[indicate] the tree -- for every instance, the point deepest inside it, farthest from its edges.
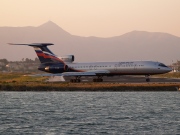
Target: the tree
(36, 60)
(5, 61)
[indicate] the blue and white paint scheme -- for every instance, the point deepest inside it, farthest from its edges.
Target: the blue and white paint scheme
(65, 66)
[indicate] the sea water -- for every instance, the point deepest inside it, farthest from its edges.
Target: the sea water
(91, 113)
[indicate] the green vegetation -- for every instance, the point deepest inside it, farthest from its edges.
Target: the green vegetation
(21, 82)
(169, 75)
(19, 78)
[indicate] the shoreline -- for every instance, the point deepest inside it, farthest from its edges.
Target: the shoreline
(89, 87)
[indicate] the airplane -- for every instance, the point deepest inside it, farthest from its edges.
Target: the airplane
(64, 66)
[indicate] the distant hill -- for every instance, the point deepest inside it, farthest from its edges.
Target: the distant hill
(135, 45)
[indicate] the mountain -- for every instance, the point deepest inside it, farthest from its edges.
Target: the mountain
(135, 45)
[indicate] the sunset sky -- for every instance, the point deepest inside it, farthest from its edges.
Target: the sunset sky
(102, 18)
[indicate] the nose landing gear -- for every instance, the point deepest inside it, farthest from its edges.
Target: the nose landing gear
(147, 78)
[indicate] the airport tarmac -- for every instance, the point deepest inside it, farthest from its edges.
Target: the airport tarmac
(130, 79)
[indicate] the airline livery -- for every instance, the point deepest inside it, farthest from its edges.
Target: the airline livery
(64, 66)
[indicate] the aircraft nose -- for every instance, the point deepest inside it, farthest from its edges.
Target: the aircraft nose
(169, 69)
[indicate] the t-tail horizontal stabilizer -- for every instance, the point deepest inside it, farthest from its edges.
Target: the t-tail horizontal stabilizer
(34, 44)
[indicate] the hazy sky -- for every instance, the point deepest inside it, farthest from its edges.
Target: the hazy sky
(102, 18)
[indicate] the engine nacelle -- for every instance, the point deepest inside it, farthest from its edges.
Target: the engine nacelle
(67, 58)
(56, 68)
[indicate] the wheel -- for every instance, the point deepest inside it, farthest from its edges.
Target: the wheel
(147, 80)
(77, 80)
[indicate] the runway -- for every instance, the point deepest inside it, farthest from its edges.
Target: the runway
(130, 79)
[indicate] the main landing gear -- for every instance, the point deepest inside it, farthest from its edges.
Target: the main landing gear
(99, 79)
(147, 78)
(76, 80)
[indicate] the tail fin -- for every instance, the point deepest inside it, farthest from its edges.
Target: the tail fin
(43, 53)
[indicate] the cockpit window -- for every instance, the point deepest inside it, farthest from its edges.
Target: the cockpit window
(162, 65)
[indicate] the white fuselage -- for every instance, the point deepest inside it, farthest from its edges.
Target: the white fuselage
(122, 68)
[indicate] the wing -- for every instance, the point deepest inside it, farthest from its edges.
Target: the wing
(88, 73)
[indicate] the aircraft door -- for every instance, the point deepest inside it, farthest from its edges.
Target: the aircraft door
(135, 67)
(115, 67)
(90, 67)
(95, 67)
